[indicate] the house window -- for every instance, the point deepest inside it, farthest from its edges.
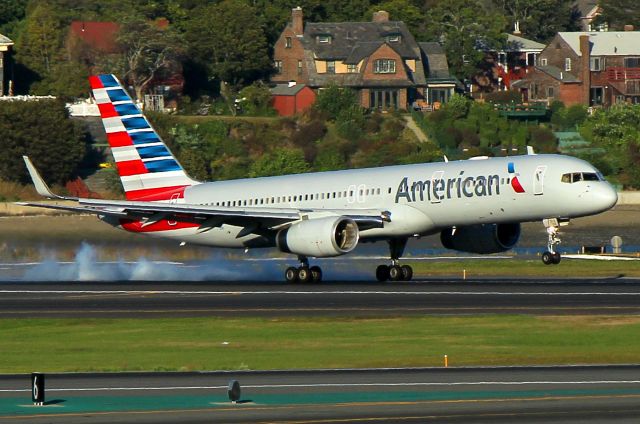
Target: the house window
(383, 99)
(331, 67)
(299, 67)
(324, 39)
(543, 61)
(633, 87)
(287, 42)
(384, 66)
(595, 64)
(395, 38)
(352, 69)
(596, 96)
(567, 64)
(550, 92)
(278, 65)
(632, 62)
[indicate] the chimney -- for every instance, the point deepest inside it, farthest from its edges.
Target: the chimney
(296, 20)
(516, 28)
(629, 28)
(585, 50)
(381, 16)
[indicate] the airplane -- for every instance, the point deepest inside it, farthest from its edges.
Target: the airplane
(477, 205)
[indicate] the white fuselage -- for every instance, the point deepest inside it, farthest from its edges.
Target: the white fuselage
(421, 199)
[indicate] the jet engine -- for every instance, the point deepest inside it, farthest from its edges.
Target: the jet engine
(482, 238)
(320, 237)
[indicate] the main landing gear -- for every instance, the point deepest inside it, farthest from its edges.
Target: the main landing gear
(550, 256)
(303, 273)
(395, 271)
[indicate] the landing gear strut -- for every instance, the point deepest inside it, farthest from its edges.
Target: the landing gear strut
(303, 273)
(550, 256)
(395, 271)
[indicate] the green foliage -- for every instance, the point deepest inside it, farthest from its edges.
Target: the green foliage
(256, 99)
(350, 122)
(458, 106)
(225, 38)
(43, 131)
(567, 119)
(399, 10)
(333, 100)
(618, 13)
(462, 25)
(280, 161)
(503, 97)
(617, 131)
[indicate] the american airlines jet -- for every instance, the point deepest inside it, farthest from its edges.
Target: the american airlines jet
(476, 205)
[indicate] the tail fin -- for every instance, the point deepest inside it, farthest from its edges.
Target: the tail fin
(147, 168)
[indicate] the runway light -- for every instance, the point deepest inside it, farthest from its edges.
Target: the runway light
(234, 391)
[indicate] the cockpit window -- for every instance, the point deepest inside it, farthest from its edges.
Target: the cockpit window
(574, 177)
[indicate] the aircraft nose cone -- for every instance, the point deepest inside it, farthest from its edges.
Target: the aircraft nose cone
(605, 197)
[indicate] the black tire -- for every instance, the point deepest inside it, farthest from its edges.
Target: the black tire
(556, 258)
(291, 275)
(547, 258)
(382, 273)
(304, 274)
(395, 273)
(407, 272)
(316, 274)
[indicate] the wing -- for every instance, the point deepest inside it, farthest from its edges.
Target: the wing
(151, 212)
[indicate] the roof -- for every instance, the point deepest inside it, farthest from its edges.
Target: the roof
(521, 44)
(612, 43)
(286, 90)
(5, 41)
(98, 35)
(558, 74)
(435, 59)
(349, 36)
(585, 7)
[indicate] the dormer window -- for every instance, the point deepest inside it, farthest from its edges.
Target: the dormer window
(394, 38)
(384, 66)
(324, 39)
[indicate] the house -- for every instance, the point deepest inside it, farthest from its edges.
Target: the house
(5, 45)
(587, 11)
(292, 98)
(380, 59)
(590, 68)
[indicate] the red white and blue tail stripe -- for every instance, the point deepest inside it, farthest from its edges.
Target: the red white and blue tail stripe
(147, 168)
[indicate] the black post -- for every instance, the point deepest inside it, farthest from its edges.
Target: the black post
(37, 388)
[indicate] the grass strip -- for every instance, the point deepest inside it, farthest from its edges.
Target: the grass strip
(57, 345)
(516, 267)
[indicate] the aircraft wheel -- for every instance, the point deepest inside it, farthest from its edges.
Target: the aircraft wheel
(291, 275)
(407, 272)
(304, 274)
(547, 258)
(395, 273)
(556, 258)
(316, 274)
(382, 273)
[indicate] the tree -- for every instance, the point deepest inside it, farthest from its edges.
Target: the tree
(461, 25)
(280, 161)
(228, 40)
(400, 10)
(618, 13)
(43, 131)
(149, 51)
(335, 99)
(539, 19)
(39, 46)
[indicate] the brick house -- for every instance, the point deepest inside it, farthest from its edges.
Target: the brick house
(5, 45)
(379, 59)
(512, 62)
(590, 68)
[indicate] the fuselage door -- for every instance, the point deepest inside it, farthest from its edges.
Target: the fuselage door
(437, 187)
(538, 180)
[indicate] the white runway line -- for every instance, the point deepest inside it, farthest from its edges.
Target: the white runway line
(338, 385)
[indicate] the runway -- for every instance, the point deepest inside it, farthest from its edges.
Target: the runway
(492, 395)
(179, 299)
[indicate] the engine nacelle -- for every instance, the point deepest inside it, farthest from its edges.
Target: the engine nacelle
(483, 238)
(320, 237)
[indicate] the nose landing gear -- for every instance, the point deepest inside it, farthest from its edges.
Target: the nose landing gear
(550, 256)
(395, 271)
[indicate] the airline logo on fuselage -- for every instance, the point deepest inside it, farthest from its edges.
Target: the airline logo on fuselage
(459, 187)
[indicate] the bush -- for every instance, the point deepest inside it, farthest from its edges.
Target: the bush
(504, 97)
(333, 100)
(280, 161)
(256, 100)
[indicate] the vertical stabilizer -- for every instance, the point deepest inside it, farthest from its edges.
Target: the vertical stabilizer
(147, 169)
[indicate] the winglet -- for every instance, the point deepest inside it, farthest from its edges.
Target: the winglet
(530, 150)
(41, 187)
